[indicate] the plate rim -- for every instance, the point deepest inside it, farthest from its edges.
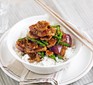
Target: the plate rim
(5, 71)
(84, 72)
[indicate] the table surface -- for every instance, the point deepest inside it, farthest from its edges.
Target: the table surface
(77, 12)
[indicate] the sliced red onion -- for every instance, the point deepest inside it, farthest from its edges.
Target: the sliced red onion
(67, 38)
(56, 49)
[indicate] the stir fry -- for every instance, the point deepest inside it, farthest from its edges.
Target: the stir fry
(43, 40)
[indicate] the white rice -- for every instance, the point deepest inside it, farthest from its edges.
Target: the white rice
(46, 61)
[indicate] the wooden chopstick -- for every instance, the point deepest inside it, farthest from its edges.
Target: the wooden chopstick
(76, 33)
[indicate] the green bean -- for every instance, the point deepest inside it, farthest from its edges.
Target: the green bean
(58, 30)
(53, 57)
(58, 41)
(40, 43)
(21, 39)
(42, 54)
(32, 39)
(57, 37)
(64, 44)
(37, 41)
(60, 35)
(60, 57)
(45, 42)
(56, 26)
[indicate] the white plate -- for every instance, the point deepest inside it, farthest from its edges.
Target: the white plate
(80, 66)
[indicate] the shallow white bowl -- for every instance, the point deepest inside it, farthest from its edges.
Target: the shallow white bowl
(21, 28)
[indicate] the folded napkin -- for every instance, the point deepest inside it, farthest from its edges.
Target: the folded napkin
(22, 73)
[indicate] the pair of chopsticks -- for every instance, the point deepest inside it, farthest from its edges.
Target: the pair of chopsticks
(88, 43)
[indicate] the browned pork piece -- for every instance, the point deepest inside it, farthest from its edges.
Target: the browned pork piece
(49, 53)
(63, 50)
(41, 29)
(20, 44)
(30, 47)
(39, 26)
(47, 38)
(34, 57)
(32, 35)
(40, 48)
(51, 42)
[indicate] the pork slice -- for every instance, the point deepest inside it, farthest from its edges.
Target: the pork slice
(49, 53)
(51, 42)
(31, 35)
(32, 57)
(38, 58)
(30, 46)
(39, 26)
(63, 51)
(41, 49)
(20, 44)
(47, 38)
(42, 25)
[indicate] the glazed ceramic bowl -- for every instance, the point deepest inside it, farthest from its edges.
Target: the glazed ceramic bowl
(21, 29)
